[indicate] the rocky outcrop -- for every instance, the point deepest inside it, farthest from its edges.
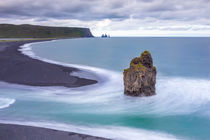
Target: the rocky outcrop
(140, 77)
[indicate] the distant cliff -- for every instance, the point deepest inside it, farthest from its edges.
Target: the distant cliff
(35, 31)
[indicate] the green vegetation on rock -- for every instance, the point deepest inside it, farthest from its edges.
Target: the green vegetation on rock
(145, 53)
(35, 31)
(137, 61)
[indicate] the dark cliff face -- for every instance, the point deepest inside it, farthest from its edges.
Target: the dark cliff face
(87, 33)
(140, 77)
(34, 31)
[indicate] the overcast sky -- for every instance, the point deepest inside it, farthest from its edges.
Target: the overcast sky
(115, 17)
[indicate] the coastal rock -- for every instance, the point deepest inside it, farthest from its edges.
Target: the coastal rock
(140, 77)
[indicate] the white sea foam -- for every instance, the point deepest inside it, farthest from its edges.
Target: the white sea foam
(181, 95)
(88, 71)
(106, 78)
(6, 102)
(112, 132)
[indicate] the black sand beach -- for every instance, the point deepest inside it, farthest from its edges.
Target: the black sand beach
(21, 69)
(21, 132)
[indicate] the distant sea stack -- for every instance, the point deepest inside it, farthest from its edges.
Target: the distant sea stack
(35, 31)
(140, 77)
(105, 36)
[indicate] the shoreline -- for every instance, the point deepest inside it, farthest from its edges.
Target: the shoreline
(22, 69)
(23, 132)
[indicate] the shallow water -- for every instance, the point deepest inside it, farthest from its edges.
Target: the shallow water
(180, 110)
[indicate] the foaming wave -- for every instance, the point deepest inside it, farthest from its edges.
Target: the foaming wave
(175, 96)
(111, 132)
(6, 102)
(182, 95)
(87, 71)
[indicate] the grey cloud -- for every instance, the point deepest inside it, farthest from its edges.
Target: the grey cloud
(102, 9)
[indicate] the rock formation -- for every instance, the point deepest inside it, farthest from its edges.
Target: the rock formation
(140, 77)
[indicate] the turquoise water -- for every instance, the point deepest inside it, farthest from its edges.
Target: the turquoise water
(180, 110)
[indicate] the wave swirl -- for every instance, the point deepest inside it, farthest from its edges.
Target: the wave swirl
(6, 102)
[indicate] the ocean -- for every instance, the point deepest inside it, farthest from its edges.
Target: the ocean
(179, 110)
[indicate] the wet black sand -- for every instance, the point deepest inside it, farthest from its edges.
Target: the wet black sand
(21, 132)
(21, 69)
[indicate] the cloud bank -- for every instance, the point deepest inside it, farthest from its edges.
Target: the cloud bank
(117, 17)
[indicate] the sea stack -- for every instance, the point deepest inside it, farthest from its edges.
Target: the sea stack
(140, 77)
